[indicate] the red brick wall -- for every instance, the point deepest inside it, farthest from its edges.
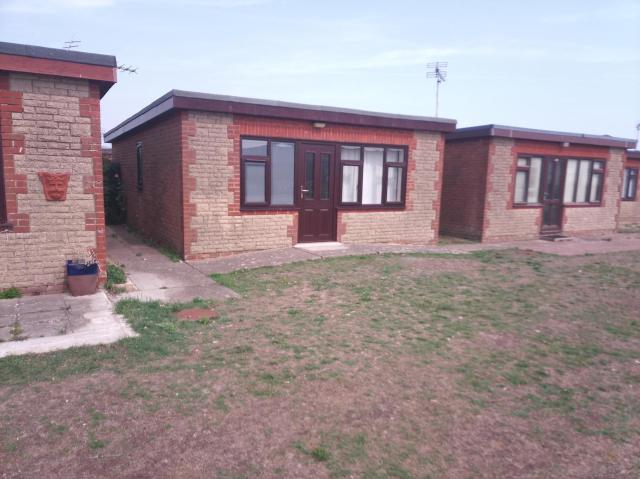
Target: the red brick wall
(464, 187)
(156, 212)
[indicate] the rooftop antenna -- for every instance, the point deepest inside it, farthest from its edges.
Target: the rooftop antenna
(69, 44)
(128, 68)
(437, 70)
(638, 136)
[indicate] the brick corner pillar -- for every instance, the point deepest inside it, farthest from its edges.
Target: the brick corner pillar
(93, 183)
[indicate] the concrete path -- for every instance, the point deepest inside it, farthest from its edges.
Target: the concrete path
(154, 276)
(38, 324)
(314, 251)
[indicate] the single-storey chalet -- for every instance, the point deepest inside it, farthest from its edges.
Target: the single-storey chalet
(51, 202)
(630, 200)
(209, 175)
(505, 183)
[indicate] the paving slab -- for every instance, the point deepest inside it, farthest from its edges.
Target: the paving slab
(40, 324)
(154, 276)
(9, 306)
(251, 260)
(60, 321)
(314, 251)
(7, 320)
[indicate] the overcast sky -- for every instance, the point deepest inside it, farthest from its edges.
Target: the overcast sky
(564, 65)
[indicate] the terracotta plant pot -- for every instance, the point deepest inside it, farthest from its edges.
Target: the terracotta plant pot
(82, 279)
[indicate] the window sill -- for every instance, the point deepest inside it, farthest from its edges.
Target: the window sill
(6, 227)
(582, 205)
(272, 209)
(628, 199)
(371, 207)
(524, 206)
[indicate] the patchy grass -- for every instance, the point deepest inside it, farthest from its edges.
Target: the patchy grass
(10, 293)
(364, 366)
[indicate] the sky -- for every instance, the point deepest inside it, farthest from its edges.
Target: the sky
(559, 65)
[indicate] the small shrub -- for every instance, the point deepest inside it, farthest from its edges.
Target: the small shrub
(10, 293)
(115, 274)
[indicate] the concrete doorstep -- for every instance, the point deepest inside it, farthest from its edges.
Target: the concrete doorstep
(40, 324)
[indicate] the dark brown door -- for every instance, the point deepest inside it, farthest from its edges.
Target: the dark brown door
(552, 196)
(316, 178)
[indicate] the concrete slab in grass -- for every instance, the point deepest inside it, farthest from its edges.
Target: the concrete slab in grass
(54, 322)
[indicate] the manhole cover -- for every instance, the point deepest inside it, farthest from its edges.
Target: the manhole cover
(194, 314)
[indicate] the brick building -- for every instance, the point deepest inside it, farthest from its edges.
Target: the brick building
(504, 183)
(209, 175)
(630, 200)
(50, 162)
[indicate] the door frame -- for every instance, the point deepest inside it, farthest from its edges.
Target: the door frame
(333, 182)
(562, 164)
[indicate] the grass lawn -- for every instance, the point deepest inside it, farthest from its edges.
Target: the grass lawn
(493, 364)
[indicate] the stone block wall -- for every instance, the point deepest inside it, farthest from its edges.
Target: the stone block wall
(604, 218)
(49, 124)
(502, 221)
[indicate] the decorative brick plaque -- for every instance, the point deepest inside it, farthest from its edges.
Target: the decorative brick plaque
(54, 185)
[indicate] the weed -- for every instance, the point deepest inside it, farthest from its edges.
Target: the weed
(10, 293)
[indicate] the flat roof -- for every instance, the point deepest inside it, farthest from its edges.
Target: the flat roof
(59, 54)
(187, 100)
(633, 154)
(58, 62)
(539, 135)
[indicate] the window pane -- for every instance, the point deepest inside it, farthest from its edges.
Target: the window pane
(598, 165)
(534, 180)
(254, 147)
(281, 173)
(394, 185)
(583, 181)
(633, 185)
(254, 175)
(372, 176)
(395, 156)
(624, 194)
(523, 162)
(594, 195)
(325, 160)
(521, 185)
(570, 181)
(309, 174)
(350, 183)
(139, 166)
(350, 153)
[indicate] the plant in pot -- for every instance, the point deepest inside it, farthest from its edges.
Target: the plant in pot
(82, 273)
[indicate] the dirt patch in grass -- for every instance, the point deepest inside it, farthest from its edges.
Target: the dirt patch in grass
(494, 364)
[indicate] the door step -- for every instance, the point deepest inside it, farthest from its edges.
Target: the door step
(555, 237)
(321, 246)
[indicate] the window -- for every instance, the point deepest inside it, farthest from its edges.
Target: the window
(630, 184)
(528, 173)
(372, 176)
(267, 172)
(139, 181)
(583, 181)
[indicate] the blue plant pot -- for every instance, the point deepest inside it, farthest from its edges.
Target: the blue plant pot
(80, 269)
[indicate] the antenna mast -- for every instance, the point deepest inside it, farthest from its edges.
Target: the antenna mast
(69, 44)
(437, 70)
